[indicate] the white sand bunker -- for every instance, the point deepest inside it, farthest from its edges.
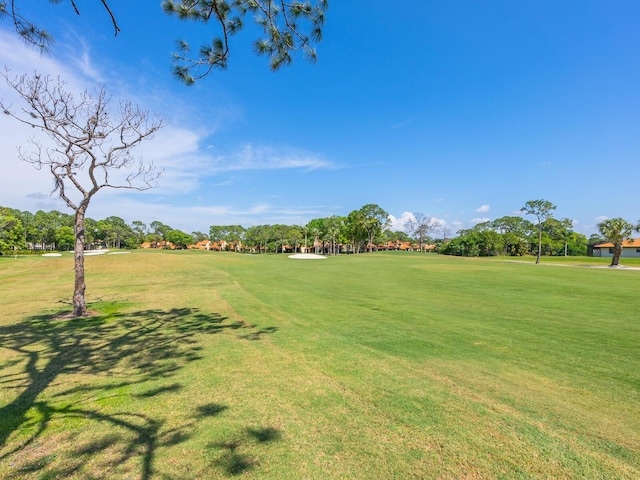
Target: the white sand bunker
(94, 252)
(51, 254)
(307, 256)
(118, 253)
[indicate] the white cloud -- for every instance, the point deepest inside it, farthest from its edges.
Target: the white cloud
(601, 218)
(398, 224)
(250, 157)
(483, 209)
(182, 150)
(401, 124)
(475, 221)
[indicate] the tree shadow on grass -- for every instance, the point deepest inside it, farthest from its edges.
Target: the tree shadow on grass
(109, 352)
(234, 457)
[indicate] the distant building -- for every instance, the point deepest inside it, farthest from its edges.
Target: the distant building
(630, 249)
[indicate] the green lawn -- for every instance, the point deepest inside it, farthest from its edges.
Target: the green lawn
(391, 365)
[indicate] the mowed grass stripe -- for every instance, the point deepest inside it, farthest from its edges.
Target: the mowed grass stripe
(369, 366)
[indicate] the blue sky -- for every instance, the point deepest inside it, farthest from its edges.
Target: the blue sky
(460, 110)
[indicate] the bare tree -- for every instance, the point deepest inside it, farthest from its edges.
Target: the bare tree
(89, 148)
(445, 230)
(420, 227)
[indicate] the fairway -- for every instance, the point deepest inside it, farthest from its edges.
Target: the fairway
(391, 365)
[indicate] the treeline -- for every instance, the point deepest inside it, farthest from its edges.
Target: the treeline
(515, 236)
(23, 230)
(364, 229)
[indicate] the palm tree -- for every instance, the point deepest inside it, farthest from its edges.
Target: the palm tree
(616, 231)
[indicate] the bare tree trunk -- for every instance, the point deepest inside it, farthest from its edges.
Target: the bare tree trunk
(79, 303)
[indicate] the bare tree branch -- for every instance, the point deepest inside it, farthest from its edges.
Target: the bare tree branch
(282, 24)
(32, 33)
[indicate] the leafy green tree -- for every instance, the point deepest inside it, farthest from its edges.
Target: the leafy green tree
(179, 238)
(316, 228)
(64, 238)
(279, 235)
(91, 232)
(355, 231)
(616, 231)
(258, 237)
(295, 236)
(11, 231)
(140, 229)
(115, 232)
(542, 210)
(234, 234)
(474, 242)
(595, 238)
(42, 230)
(560, 231)
(89, 143)
(158, 231)
(577, 244)
(373, 219)
(333, 227)
(515, 233)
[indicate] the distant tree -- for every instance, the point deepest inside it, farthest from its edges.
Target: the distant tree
(445, 230)
(316, 228)
(373, 219)
(595, 238)
(257, 237)
(216, 233)
(114, 231)
(65, 238)
(158, 231)
(333, 226)
(515, 232)
(616, 231)
(473, 242)
(11, 231)
(420, 227)
(140, 229)
(354, 230)
(199, 236)
(42, 230)
(280, 236)
(295, 235)
(91, 145)
(234, 234)
(560, 230)
(542, 210)
(395, 237)
(179, 238)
